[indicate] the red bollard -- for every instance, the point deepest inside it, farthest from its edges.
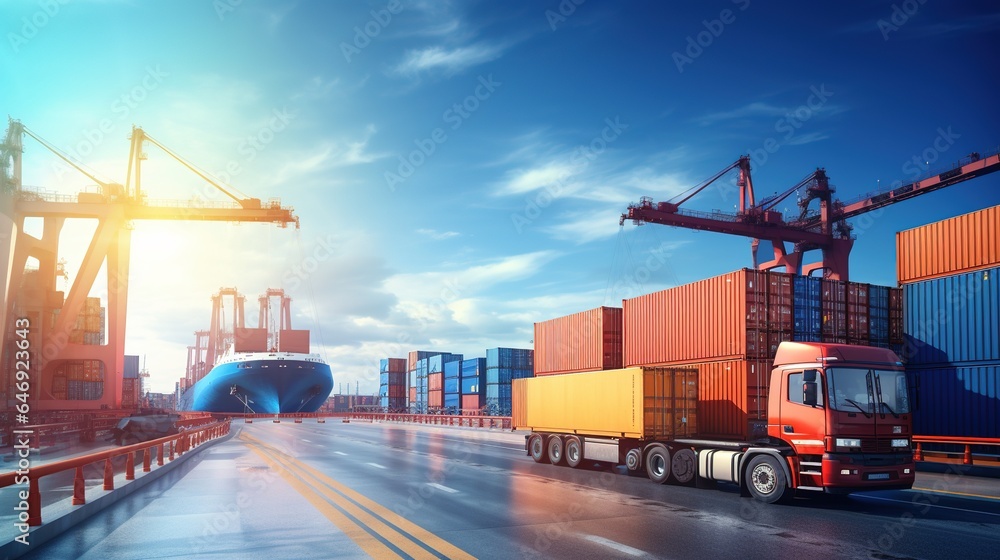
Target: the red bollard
(159, 455)
(146, 459)
(34, 503)
(171, 444)
(130, 466)
(918, 454)
(967, 459)
(79, 488)
(109, 474)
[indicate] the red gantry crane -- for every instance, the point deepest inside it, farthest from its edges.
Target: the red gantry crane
(31, 294)
(825, 229)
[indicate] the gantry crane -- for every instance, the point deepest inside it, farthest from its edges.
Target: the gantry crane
(52, 314)
(825, 229)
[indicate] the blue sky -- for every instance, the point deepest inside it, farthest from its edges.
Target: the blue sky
(459, 167)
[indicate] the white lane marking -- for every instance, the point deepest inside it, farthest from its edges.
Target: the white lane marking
(615, 545)
(924, 504)
(442, 487)
(341, 453)
(376, 465)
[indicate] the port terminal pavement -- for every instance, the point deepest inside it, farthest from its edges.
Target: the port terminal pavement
(948, 478)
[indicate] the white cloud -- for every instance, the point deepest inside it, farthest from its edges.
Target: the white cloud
(450, 61)
(541, 176)
(438, 235)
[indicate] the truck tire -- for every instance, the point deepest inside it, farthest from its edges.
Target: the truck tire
(766, 480)
(573, 450)
(658, 463)
(633, 460)
(555, 449)
(536, 448)
(684, 466)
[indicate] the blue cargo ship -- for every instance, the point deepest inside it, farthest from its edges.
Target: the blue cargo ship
(262, 383)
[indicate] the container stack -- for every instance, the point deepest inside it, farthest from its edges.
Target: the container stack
(502, 366)
(473, 384)
(130, 383)
(392, 384)
(89, 327)
(414, 374)
(452, 387)
(729, 328)
(586, 341)
(435, 381)
(950, 275)
(78, 380)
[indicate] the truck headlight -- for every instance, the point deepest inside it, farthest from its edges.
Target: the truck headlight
(848, 442)
(901, 442)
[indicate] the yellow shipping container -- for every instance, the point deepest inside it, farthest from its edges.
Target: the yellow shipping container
(633, 402)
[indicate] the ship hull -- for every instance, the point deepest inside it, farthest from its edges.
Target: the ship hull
(262, 384)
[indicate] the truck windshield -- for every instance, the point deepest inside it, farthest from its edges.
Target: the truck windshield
(869, 391)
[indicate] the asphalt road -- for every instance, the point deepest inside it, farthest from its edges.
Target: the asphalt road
(388, 490)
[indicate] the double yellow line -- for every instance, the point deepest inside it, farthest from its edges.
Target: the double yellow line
(380, 532)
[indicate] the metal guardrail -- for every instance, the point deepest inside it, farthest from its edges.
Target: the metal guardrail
(968, 457)
(502, 422)
(174, 445)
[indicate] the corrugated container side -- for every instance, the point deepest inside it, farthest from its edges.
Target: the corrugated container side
(706, 319)
(956, 245)
(471, 386)
(471, 402)
(474, 367)
(953, 319)
(961, 401)
(452, 369)
(434, 381)
(131, 367)
(636, 402)
(585, 341)
(451, 385)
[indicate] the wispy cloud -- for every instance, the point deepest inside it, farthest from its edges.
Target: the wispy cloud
(438, 235)
(762, 110)
(449, 61)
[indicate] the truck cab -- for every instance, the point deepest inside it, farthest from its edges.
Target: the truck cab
(843, 412)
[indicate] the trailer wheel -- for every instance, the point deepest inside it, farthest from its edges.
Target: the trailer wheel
(573, 450)
(684, 466)
(658, 463)
(536, 448)
(766, 481)
(555, 447)
(633, 460)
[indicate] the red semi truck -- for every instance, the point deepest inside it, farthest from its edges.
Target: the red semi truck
(837, 421)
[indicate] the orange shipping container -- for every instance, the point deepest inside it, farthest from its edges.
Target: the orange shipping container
(435, 398)
(251, 340)
(396, 365)
(413, 395)
(586, 341)
(960, 244)
(294, 340)
(471, 403)
(434, 381)
(704, 320)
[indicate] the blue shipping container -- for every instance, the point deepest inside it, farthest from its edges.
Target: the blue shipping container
(452, 401)
(474, 368)
(435, 364)
(471, 386)
(961, 401)
(451, 385)
(514, 358)
(953, 319)
(452, 369)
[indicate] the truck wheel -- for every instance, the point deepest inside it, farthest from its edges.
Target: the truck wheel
(658, 463)
(633, 460)
(573, 451)
(766, 480)
(555, 447)
(684, 466)
(536, 448)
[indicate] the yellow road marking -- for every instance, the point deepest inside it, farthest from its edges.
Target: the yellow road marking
(386, 523)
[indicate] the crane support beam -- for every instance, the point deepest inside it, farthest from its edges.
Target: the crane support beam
(41, 209)
(971, 170)
(760, 231)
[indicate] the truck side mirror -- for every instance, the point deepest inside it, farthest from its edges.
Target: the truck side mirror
(810, 388)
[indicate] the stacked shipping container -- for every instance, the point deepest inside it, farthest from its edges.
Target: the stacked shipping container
(950, 274)
(586, 341)
(435, 380)
(131, 383)
(392, 384)
(473, 384)
(502, 366)
(729, 328)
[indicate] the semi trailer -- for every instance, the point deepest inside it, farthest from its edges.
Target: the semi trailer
(836, 419)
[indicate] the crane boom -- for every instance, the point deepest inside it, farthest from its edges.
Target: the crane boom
(825, 229)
